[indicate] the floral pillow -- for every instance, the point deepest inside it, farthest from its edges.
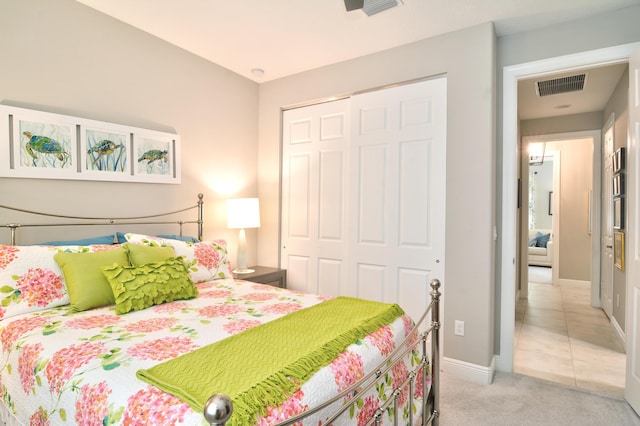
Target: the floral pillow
(206, 260)
(31, 280)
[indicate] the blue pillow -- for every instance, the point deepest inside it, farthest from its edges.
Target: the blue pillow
(105, 239)
(533, 242)
(542, 239)
(185, 238)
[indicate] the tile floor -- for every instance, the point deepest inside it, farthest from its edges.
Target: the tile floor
(559, 337)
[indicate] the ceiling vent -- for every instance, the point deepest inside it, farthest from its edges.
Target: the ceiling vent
(571, 83)
(371, 7)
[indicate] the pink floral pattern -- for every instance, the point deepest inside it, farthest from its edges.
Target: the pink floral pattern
(27, 365)
(281, 308)
(238, 326)
(94, 321)
(66, 361)
(92, 405)
(151, 406)
(15, 330)
(220, 311)
(81, 368)
(383, 340)
(347, 369)
(161, 349)
(39, 287)
(7, 255)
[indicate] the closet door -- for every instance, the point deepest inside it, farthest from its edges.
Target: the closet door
(314, 161)
(363, 195)
(397, 193)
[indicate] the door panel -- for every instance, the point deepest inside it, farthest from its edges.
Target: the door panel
(397, 150)
(363, 195)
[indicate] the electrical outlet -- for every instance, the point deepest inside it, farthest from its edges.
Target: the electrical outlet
(459, 325)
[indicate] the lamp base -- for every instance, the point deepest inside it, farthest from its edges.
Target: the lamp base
(243, 271)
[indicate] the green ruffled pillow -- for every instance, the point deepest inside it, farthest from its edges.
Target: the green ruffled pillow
(143, 286)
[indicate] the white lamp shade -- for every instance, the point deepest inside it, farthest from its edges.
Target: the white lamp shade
(243, 213)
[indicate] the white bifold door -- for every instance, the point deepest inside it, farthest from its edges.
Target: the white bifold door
(363, 195)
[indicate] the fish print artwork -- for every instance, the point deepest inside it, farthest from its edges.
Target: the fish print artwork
(45, 145)
(154, 157)
(106, 151)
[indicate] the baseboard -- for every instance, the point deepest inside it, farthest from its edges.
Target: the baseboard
(619, 331)
(471, 372)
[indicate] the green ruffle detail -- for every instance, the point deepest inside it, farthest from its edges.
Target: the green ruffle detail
(265, 365)
(143, 286)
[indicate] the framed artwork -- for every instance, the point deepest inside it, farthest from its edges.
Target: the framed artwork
(619, 160)
(618, 213)
(37, 144)
(43, 145)
(618, 185)
(618, 250)
(106, 152)
(155, 157)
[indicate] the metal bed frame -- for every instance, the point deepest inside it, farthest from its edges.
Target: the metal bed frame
(219, 408)
(109, 221)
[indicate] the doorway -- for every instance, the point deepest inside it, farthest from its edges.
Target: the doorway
(509, 192)
(511, 76)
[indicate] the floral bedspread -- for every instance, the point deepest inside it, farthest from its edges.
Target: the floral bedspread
(80, 368)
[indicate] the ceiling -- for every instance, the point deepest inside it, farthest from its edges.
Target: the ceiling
(285, 37)
(599, 86)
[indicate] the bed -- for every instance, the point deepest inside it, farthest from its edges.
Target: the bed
(149, 329)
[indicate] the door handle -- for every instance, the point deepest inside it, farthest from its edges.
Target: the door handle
(608, 246)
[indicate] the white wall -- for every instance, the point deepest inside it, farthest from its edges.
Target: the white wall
(63, 57)
(467, 58)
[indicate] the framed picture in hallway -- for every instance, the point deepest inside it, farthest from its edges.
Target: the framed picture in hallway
(618, 250)
(618, 213)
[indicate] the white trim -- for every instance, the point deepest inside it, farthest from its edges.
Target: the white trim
(619, 331)
(511, 75)
(470, 372)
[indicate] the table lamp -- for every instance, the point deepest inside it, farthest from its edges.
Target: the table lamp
(243, 213)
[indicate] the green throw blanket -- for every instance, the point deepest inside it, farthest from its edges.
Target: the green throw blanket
(266, 364)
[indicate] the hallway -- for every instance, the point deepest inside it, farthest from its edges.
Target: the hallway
(559, 337)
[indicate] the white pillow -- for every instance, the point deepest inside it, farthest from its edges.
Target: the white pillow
(31, 280)
(206, 260)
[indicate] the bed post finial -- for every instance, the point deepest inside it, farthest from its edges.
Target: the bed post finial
(200, 214)
(218, 409)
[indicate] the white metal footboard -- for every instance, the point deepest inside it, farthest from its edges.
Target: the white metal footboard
(218, 409)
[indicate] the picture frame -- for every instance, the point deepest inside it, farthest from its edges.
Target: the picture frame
(105, 152)
(618, 213)
(156, 157)
(618, 185)
(618, 249)
(42, 145)
(39, 144)
(619, 160)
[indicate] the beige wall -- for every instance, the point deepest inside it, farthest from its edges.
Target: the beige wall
(63, 57)
(467, 59)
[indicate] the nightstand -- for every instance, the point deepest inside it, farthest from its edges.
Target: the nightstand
(265, 275)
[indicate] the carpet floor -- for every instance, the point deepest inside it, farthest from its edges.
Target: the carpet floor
(513, 399)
